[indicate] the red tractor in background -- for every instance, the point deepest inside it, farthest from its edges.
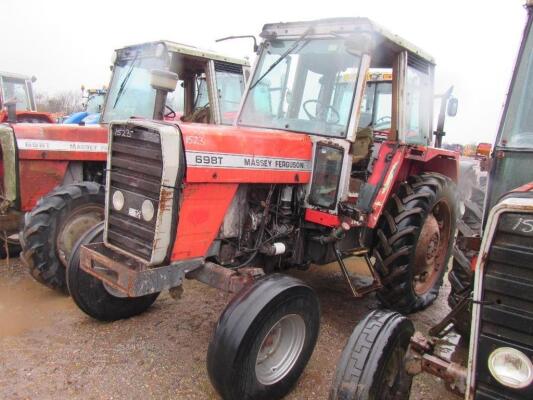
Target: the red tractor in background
(54, 172)
(17, 101)
(299, 179)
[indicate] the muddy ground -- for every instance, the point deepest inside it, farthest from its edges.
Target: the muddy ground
(49, 349)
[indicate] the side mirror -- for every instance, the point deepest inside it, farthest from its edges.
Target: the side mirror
(163, 80)
(33, 78)
(452, 106)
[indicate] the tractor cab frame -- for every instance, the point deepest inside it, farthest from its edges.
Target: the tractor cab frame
(209, 85)
(17, 101)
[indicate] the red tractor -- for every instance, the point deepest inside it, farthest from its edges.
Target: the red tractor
(54, 172)
(298, 179)
(17, 101)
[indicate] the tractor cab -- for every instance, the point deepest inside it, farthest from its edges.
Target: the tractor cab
(311, 78)
(208, 86)
(17, 102)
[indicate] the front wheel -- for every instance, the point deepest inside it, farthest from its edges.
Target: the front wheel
(414, 239)
(91, 295)
(372, 363)
(264, 339)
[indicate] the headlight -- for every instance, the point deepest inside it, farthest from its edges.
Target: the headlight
(147, 210)
(118, 200)
(511, 367)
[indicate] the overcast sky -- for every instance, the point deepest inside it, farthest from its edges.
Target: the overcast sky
(70, 43)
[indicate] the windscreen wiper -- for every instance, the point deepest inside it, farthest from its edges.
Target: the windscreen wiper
(284, 55)
(125, 80)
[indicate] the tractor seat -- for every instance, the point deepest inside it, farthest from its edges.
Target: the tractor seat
(360, 149)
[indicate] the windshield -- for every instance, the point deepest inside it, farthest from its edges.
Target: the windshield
(16, 90)
(310, 90)
(130, 93)
(95, 103)
(518, 122)
(376, 107)
(230, 88)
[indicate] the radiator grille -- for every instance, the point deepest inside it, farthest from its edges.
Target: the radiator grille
(507, 310)
(136, 169)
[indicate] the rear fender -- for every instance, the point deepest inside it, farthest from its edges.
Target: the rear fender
(396, 163)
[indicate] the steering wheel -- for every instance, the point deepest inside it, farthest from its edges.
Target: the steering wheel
(171, 113)
(383, 120)
(325, 107)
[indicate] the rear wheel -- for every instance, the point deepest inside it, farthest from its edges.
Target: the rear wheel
(53, 227)
(371, 365)
(264, 339)
(91, 295)
(414, 240)
(461, 275)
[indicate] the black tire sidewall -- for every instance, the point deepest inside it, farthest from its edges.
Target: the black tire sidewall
(90, 294)
(399, 294)
(40, 251)
(238, 358)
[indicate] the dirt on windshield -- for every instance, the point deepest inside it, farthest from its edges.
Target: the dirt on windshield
(49, 349)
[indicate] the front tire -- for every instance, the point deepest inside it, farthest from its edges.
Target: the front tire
(54, 225)
(414, 239)
(371, 365)
(90, 294)
(264, 339)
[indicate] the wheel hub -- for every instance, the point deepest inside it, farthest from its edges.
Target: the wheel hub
(280, 349)
(83, 219)
(426, 267)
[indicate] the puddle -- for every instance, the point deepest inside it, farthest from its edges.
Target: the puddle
(27, 305)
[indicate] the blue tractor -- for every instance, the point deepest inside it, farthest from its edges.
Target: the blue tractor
(93, 108)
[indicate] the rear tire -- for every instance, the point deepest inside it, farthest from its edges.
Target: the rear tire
(264, 339)
(414, 239)
(461, 275)
(53, 227)
(90, 294)
(371, 366)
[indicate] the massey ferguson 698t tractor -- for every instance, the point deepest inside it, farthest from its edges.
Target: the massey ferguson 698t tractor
(382, 354)
(54, 172)
(17, 101)
(298, 179)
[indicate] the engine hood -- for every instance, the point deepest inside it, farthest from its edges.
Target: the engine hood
(61, 142)
(239, 155)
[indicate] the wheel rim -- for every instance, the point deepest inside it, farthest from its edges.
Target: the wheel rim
(79, 222)
(431, 248)
(280, 349)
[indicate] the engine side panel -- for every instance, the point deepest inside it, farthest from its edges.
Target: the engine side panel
(201, 213)
(61, 142)
(245, 155)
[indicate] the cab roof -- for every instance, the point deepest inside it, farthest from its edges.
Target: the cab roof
(344, 27)
(15, 76)
(175, 47)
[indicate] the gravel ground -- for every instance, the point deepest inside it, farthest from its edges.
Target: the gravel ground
(49, 349)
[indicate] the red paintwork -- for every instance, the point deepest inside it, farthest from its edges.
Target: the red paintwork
(247, 141)
(322, 218)
(528, 187)
(407, 161)
(59, 132)
(29, 115)
(40, 171)
(201, 213)
(38, 178)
